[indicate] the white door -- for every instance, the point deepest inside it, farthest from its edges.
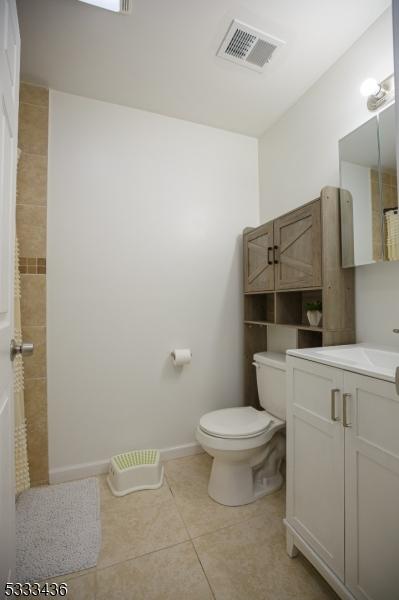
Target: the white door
(9, 90)
(316, 459)
(372, 488)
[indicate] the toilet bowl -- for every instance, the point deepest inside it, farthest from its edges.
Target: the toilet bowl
(248, 445)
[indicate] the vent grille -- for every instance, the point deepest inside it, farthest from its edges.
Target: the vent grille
(240, 44)
(126, 6)
(261, 53)
(247, 46)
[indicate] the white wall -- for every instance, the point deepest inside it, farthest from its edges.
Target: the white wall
(299, 155)
(357, 179)
(144, 255)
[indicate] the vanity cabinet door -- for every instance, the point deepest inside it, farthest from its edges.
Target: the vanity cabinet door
(297, 239)
(316, 458)
(258, 259)
(372, 488)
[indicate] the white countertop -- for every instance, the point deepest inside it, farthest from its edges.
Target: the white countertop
(367, 359)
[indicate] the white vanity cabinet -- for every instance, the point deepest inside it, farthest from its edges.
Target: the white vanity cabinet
(343, 477)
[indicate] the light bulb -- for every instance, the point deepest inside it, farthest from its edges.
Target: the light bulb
(370, 87)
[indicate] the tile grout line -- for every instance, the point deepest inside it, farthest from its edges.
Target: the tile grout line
(239, 522)
(33, 153)
(152, 551)
(43, 105)
(127, 560)
(243, 520)
(176, 506)
(190, 539)
(203, 570)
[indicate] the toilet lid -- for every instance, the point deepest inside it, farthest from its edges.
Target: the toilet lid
(240, 422)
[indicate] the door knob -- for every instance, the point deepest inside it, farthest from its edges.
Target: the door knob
(25, 349)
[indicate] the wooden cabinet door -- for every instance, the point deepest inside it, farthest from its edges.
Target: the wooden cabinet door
(316, 459)
(372, 488)
(258, 259)
(297, 240)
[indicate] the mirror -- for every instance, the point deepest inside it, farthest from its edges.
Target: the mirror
(360, 230)
(389, 188)
(369, 199)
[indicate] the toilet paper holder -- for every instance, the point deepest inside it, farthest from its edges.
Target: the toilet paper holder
(181, 356)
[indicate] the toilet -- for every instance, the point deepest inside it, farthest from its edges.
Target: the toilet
(248, 445)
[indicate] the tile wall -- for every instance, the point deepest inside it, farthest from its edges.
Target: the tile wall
(31, 232)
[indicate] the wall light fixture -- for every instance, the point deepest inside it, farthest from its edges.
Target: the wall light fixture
(376, 93)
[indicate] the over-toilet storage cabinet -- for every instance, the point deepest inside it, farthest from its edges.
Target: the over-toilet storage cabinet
(285, 253)
(288, 262)
(343, 477)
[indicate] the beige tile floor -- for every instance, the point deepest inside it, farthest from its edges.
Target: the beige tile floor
(175, 543)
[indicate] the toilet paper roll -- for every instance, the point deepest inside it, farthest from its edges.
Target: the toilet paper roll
(181, 356)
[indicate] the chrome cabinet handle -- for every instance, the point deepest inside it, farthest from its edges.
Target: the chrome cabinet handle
(333, 404)
(25, 349)
(345, 398)
(397, 380)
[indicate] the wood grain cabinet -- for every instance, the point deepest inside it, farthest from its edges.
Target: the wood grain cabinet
(289, 262)
(343, 478)
(258, 259)
(297, 248)
(285, 253)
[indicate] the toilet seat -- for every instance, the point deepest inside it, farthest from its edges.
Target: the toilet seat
(236, 423)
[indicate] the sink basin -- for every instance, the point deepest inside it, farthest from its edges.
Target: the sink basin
(376, 361)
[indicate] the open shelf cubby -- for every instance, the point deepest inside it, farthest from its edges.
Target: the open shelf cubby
(291, 307)
(259, 308)
(308, 338)
(290, 261)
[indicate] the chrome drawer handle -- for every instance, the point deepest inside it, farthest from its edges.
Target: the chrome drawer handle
(333, 404)
(345, 398)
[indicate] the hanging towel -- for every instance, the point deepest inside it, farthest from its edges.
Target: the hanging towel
(392, 234)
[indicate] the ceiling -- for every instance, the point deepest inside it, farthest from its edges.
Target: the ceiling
(161, 58)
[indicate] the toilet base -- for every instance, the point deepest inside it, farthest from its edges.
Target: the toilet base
(233, 484)
(268, 486)
(239, 478)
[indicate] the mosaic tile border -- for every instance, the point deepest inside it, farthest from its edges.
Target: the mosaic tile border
(33, 266)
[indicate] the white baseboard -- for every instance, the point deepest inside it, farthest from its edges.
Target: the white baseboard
(80, 471)
(180, 451)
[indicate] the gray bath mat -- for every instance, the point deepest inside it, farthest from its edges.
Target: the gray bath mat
(58, 530)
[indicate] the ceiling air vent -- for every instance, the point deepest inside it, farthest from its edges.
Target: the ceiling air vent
(120, 6)
(126, 6)
(247, 46)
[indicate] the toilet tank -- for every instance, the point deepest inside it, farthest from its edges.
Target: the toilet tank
(270, 377)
